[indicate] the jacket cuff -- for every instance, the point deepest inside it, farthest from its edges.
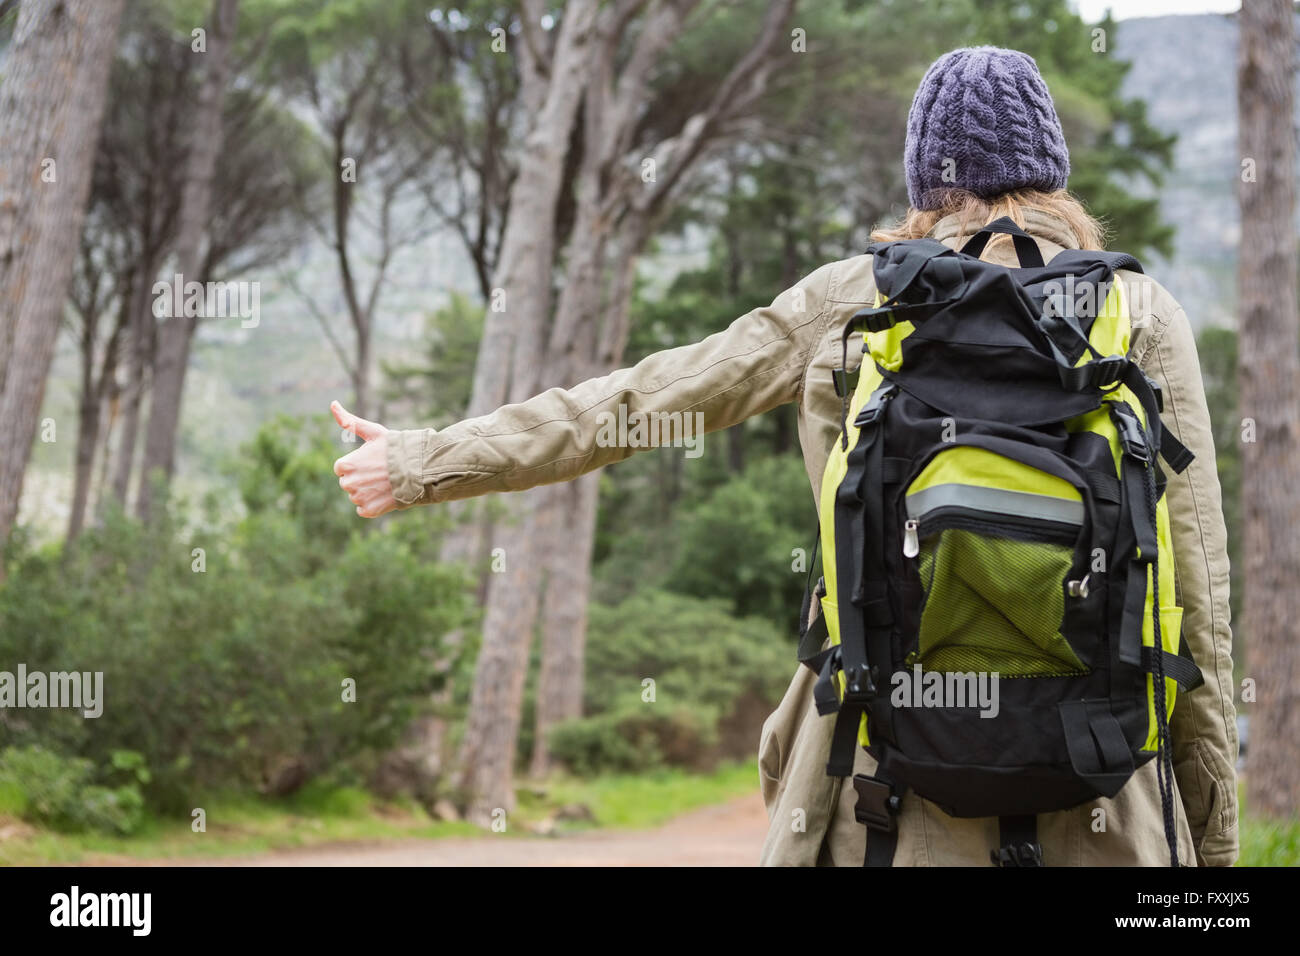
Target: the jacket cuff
(406, 465)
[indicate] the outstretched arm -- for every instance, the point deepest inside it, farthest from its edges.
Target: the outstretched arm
(756, 363)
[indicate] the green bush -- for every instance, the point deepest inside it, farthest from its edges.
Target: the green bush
(695, 650)
(637, 739)
(56, 791)
(225, 667)
(708, 667)
(740, 541)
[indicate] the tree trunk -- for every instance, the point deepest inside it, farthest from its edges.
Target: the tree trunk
(88, 424)
(52, 98)
(564, 612)
(507, 368)
(528, 541)
(361, 371)
(573, 507)
(112, 398)
(95, 416)
(736, 448)
(487, 754)
(139, 347)
(1269, 373)
(177, 333)
(515, 324)
(569, 355)
(520, 331)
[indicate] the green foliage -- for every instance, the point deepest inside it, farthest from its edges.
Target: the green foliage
(636, 740)
(711, 669)
(1269, 842)
(304, 36)
(321, 799)
(224, 651)
(850, 97)
(739, 542)
(697, 651)
(407, 78)
(46, 788)
(439, 385)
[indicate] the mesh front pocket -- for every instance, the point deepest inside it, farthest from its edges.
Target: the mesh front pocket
(993, 603)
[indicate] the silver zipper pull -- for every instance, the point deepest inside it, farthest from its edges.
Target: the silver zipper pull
(911, 539)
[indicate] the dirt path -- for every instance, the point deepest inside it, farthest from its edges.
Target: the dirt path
(727, 835)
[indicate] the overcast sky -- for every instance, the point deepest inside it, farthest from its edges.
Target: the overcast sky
(1123, 9)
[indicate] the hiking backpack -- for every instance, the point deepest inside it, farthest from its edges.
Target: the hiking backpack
(993, 516)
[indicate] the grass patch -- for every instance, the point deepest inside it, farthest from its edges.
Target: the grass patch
(638, 801)
(236, 826)
(1269, 843)
(1266, 842)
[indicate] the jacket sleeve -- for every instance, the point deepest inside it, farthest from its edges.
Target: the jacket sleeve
(756, 363)
(1204, 728)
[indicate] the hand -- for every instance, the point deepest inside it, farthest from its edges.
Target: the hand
(363, 474)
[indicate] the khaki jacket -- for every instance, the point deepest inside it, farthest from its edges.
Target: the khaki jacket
(785, 352)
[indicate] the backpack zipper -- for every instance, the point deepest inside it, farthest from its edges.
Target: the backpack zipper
(986, 523)
(911, 538)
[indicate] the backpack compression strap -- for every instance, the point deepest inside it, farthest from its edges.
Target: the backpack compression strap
(866, 623)
(865, 617)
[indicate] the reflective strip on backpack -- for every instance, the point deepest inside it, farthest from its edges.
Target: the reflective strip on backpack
(999, 500)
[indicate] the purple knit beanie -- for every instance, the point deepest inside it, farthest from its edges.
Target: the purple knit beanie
(983, 121)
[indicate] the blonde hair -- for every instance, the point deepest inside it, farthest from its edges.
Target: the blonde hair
(976, 212)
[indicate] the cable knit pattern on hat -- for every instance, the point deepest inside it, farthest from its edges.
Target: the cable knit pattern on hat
(984, 117)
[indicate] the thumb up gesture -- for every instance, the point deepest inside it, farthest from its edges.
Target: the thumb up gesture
(363, 473)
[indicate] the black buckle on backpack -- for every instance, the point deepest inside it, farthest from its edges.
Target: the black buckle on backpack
(844, 380)
(1018, 854)
(859, 685)
(875, 405)
(875, 319)
(877, 805)
(1099, 373)
(1132, 436)
(1108, 370)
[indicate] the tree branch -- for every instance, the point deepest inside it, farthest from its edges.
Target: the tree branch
(349, 367)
